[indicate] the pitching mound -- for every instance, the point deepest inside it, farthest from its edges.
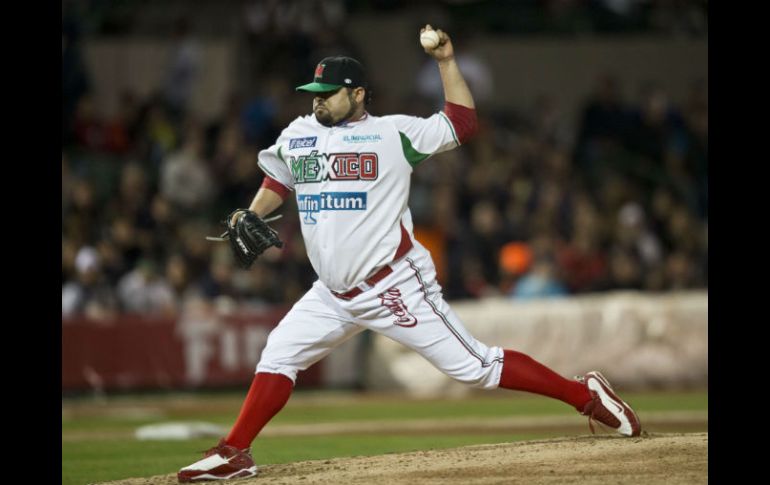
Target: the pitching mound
(670, 459)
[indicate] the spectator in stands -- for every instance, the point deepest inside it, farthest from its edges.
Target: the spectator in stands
(689, 249)
(119, 131)
(603, 127)
(132, 197)
(228, 143)
(473, 278)
(145, 291)
(82, 222)
(548, 122)
(661, 206)
(186, 180)
(87, 126)
(582, 263)
(69, 251)
(218, 279)
(515, 261)
(257, 286)
(684, 230)
(239, 182)
(112, 262)
(195, 249)
(485, 239)
(516, 211)
(633, 234)
(548, 210)
(654, 124)
(539, 282)
(542, 280)
(625, 271)
(157, 134)
(680, 271)
(88, 295)
(133, 203)
(123, 234)
(259, 115)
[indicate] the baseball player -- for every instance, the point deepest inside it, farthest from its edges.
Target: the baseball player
(350, 172)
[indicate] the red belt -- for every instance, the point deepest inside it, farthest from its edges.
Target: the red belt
(376, 278)
(403, 248)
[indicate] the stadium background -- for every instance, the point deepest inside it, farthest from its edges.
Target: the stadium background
(583, 199)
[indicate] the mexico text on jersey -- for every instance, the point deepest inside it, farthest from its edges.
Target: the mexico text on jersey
(315, 167)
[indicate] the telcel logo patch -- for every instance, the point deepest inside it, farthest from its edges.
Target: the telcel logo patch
(311, 204)
(302, 142)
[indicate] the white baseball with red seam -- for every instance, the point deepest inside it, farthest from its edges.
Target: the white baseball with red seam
(429, 39)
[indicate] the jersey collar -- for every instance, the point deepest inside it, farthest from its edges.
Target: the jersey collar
(353, 123)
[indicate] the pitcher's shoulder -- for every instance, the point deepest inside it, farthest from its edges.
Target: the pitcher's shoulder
(301, 123)
(300, 128)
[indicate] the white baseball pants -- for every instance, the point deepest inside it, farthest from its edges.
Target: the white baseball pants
(406, 306)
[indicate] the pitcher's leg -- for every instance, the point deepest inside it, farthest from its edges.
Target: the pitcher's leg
(523, 373)
(439, 335)
(591, 395)
(310, 330)
(412, 311)
(267, 395)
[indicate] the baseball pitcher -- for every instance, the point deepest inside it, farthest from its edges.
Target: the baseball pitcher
(350, 173)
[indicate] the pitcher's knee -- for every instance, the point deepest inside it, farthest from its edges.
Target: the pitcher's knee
(278, 364)
(480, 369)
(478, 374)
(272, 368)
(485, 378)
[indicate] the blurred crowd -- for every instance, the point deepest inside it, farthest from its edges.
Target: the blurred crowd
(531, 208)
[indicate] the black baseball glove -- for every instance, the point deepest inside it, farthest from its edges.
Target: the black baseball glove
(249, 236)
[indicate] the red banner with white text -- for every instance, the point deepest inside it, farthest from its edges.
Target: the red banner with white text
(187, 352)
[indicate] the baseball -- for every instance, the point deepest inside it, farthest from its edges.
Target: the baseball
(429, 39)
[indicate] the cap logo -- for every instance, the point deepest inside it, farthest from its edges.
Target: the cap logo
(319, 70)
(348, 81)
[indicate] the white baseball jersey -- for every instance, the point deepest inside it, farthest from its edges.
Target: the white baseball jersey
(352, 185)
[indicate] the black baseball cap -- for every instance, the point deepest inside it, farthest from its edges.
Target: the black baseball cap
(336, 72)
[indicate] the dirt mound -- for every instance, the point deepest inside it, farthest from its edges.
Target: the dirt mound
(671, 459)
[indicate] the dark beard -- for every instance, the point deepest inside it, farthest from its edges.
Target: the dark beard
(327, 119)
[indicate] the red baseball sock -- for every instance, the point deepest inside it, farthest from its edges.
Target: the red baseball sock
(523, 373)
(267, 395)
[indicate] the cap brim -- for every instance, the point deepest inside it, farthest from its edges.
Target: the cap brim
(318, 87)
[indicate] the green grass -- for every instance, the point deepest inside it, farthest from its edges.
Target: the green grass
(304, 409)
(88, 457)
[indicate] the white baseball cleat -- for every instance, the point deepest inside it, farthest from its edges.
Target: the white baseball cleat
(607, 408)
(222, 462)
